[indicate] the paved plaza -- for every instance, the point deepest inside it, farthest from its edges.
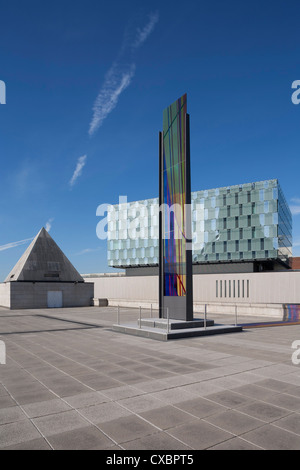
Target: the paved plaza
(70, 382)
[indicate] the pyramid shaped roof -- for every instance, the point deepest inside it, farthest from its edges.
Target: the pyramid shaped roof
(43, 261)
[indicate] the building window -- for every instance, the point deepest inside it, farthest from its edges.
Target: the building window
(261, 195)
(217, 288)
(248, 196)
(262, 244)
(243, 288)
(266, 206)
(233, 288)
(225, 288)
(248, 288)
(53, 266)
(249, 245)
(221, 294)
(229, 288)
(238, 288)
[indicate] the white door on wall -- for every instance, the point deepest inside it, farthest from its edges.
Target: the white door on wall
(55, 299)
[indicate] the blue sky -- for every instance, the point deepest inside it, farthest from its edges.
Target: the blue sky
(87, 82)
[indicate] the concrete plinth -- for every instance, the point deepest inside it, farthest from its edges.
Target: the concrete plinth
(162, 323)
(158, 328)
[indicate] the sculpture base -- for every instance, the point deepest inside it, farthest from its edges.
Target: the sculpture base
(160, 329)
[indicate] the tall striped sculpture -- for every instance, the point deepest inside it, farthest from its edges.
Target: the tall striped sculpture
(175, 250)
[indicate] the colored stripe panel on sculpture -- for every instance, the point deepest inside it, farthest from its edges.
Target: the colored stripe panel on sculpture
(291, 313)
(174, 189)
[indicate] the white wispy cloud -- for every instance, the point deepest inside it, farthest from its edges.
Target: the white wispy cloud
(87, 250)
(117, 80)
(142, 34)
(15, 244)
(49, 225)
(78, 170)
(120, 75)
(295, 207)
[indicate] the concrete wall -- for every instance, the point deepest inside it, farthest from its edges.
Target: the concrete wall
(139, 288)
(5, 295)
(35, 295)
(266, 294)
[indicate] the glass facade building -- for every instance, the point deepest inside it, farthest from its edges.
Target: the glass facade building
(247, 222)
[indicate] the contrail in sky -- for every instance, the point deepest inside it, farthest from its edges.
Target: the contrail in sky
(120, 75)
(78, 170)
(14, 244)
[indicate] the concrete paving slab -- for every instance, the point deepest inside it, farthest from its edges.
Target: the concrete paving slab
(127, 429)
(199, 434)
(80, 439)
(235, 444)
(285, 401)
(11, 415)
(193, 380)
(157, 441)
(6, 401)
(33, 397)
(125, 391)
(15, 433)
(104, 412)
(167, 417)
(235, 422)
(200, 407)
(86, 399)
(229, 398)
(270, 437)
(44, 408)
(255, 392)
(290, 423)
(264, 411)
(59, 422)
(35, 444)
(141, 403)
(174, 395)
